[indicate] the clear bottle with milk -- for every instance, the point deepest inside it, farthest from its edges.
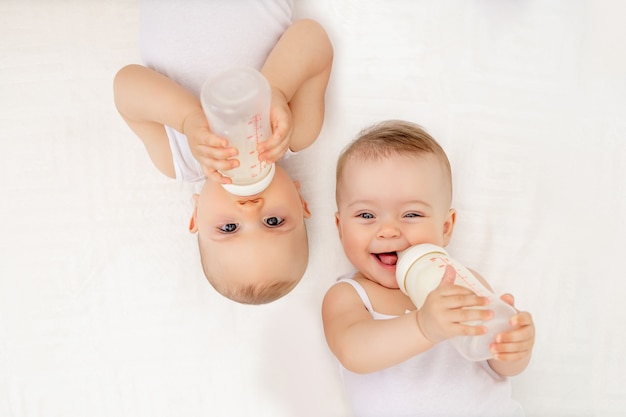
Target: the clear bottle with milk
(419, 270)
(237, 106)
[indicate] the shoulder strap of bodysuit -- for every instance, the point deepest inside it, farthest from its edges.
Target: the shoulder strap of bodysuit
(361, 291)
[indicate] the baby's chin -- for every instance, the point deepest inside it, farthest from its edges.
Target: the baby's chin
(385, 278)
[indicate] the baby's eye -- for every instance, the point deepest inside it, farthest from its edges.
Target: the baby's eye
(228, 228)
(274, 221)
(365, 215)
(413, 215)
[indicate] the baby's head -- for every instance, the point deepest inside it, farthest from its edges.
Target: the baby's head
(393, 138)
(253, 249)
(393, 191)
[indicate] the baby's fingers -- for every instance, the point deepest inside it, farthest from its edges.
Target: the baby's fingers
(509, 299)
(523, 330)
(274, 148)
(210, 164)
(456, 297)
(216, 152)
(523, 319)
(466, 315)
(517, 343)
(221, 159)
(216, 176)
(448, 277)
(519, 335)
(273, 154)
(468, 321)
(212, 140)
(511, 351)
(469, 330)
(278, 143)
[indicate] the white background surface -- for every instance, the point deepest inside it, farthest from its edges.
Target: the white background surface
(104, 310)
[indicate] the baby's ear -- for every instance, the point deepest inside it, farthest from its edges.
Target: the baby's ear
(305, 208)
(448, 226)
(338, 224)
(193, 225)
(305, 205)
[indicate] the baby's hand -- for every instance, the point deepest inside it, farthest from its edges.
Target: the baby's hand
(280, 120)
(517, 343)
(210, 150)
(444, 311)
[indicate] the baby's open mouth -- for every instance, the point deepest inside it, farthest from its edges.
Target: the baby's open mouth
(387, 258)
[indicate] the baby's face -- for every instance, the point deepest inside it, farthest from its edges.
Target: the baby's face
(388, 205)
(247, 240)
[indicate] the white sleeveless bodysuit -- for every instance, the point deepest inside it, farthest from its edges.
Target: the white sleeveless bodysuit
(436, 383)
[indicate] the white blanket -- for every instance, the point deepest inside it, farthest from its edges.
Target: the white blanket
(104, 310)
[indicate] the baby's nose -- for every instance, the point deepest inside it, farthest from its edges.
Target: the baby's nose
(389, 230)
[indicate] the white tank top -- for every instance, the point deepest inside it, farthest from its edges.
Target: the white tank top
(436, 383)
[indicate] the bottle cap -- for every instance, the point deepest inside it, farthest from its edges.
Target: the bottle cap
(251, 189)
(408, 257)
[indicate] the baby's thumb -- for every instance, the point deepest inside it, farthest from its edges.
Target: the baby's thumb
(508, 298)
(449, 276)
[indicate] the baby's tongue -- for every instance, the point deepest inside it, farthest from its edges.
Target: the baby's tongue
(388, 258)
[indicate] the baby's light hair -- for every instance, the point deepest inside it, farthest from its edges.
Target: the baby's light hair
(255, 293)
(392, 137)
(260, 293)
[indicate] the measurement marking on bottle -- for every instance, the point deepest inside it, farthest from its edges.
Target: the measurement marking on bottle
(467, 280)
(255, 136)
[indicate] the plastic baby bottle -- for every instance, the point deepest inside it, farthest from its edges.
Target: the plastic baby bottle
(237, 105)
(420, 269)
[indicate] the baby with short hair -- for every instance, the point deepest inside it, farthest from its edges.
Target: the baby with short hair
(394, 191)
(253, 249)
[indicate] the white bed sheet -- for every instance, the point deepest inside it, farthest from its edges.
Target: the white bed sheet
(103, 307)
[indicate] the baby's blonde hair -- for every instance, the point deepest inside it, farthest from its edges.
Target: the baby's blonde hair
(271, 288)
(392, 137)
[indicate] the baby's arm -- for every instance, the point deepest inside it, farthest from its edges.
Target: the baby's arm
(365, 345)
(513, 349)
(298, 69)
(148, 100)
